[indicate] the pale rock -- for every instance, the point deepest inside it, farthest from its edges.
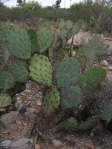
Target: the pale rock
(9, 118)
(23, 143)
(5, 144)
(57, 143)
(104, 63)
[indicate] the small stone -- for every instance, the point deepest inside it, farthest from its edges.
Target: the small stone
(28, 112)
(57, 143)
(9, 118)
(5, 144)
(27, 91)
(37, 146)
(104, 63)
(23, 143)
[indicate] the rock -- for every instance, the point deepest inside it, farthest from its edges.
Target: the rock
(9, 118)
(28, 112)
(37, 146)
(5, 144)
(23, 143)
(104, 63)
(57, 143)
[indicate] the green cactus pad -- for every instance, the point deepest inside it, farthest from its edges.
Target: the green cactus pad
(19, 72)
(6, 80)
(61, 24)
(107, 112)
(41, 70)
(69, 35)
(51, 99)
(94, 75)
(69, 24)
(75, 29)
(44, 38)
(64, 42)
(5, 100)
(67, 73)
(63, 33)
(80, 57)
(69, 125)
(18, 43)
(92, 79)
(71, 97)
(33, 37)
(88, 124)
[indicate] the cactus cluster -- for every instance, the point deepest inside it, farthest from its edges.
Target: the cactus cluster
(71, 84)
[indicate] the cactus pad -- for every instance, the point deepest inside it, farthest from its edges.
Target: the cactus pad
(18, 43)
(94, 75)
(44, 39)
(71, 97)
(69, 24)
(5, 100)
(61, 24)
(33, 37)
(88, 124)
(19, 72)
(107, 112)
(80, 57)
(69, 125)
(67, 73)
(6, 80)
(41, 70)
(75, 29)
(51, 99)
(92, 79)
(63, 33)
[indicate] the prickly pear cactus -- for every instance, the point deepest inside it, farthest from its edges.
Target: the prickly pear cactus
(69, 125)
(51, 99)
(63, 33)
(61, 24)
(91, 80)
(69, 35)
(107, 112)
(6, 80)
(67, 73)
(18, 42)
(88, 124)
(19, 72)
(76, 28)
(5, 100)
(71, 97)
(69, 24)
(41, 70)
(94, 75)
(33, 37)
(44, 38)
(80, 57)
